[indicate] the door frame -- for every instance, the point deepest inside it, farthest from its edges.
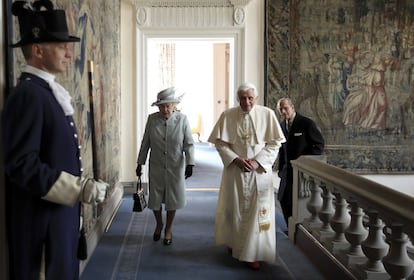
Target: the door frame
(234, 37)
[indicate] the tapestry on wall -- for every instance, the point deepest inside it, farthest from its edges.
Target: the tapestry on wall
(349, 65)
(89, 20)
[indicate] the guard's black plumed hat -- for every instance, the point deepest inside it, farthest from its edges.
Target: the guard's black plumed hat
(40, 23)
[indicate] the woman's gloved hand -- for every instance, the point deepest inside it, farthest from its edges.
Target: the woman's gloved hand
(188, 171)
(138, 171)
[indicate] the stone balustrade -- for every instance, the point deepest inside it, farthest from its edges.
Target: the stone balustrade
(366, 226)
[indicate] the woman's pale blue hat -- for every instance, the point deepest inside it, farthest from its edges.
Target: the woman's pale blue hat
(167, 95)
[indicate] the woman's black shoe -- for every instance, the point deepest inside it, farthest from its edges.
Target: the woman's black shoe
(156, 237)
(168, 241)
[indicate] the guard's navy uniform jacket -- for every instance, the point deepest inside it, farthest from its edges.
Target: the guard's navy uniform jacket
(39, 142)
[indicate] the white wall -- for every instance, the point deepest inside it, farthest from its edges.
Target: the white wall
(128, 145)
(254, 44)
(131, 131)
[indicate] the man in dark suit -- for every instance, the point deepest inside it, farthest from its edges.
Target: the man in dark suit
(302, 138)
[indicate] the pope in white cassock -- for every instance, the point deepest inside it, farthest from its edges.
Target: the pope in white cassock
(248, 138)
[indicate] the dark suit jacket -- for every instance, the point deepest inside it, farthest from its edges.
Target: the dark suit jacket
(304, 138)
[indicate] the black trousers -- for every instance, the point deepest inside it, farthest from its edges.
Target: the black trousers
(286, 204)
(285, 192)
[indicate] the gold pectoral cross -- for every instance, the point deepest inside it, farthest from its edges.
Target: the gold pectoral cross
(246, 133)
(245, 137)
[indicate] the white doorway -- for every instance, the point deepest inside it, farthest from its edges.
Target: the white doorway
(201, 69)
(183, 20)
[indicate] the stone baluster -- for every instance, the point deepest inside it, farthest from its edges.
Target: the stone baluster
(339, 223)
(355, 234)
(325, 214)
(411, 240)
(374, 248)
(304, 188)
(300, 200)
(397, 263)
(314, 205)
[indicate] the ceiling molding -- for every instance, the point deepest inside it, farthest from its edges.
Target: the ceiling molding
(191, 3)
(190, 13)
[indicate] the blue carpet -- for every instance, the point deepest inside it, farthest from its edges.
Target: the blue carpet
(127, 250)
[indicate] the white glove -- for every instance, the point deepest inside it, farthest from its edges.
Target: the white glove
(93, 190)
(101, 188)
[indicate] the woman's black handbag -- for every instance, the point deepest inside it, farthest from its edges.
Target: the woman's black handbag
(139, 198)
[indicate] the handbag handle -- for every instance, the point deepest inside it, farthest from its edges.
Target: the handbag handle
(139, 183)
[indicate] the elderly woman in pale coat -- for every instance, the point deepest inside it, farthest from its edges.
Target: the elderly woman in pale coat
(168, 135)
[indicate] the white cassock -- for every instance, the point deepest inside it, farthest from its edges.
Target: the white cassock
(245, 215)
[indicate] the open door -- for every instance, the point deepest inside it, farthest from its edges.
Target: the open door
(221, 78)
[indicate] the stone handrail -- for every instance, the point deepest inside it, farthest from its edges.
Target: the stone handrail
(364, 224)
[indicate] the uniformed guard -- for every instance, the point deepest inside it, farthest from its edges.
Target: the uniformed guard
(44, 183)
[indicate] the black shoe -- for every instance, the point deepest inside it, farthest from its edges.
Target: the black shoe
(156, 237)
(168, 241)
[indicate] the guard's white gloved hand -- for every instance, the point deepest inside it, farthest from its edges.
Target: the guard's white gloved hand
(102, 188)
(93, 190)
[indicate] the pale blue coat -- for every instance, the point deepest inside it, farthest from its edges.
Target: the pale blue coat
(171, 147)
